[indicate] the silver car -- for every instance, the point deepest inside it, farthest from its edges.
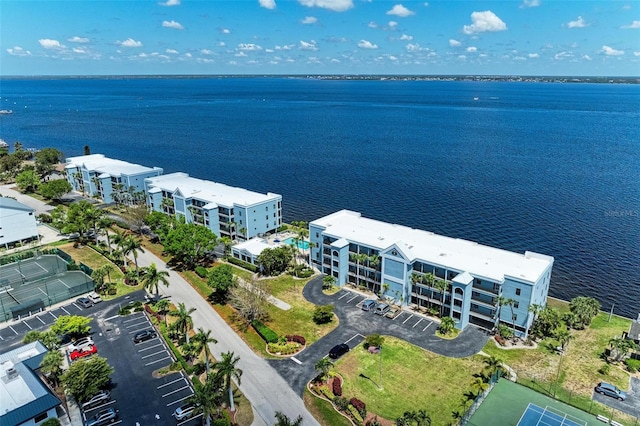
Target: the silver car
(97, 399)
(80, 344)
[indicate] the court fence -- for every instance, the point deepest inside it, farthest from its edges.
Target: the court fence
(477, 401)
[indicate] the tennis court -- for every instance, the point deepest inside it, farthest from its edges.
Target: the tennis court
(547, 416)
(511, 404)
(28, 286)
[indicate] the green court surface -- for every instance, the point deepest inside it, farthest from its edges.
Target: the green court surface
(507, 402)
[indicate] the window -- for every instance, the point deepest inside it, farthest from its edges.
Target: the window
(516, 305)
(515, 317)
(40, 417)
(317, 236)
(517, 292)
(266, 208)
(266, 217)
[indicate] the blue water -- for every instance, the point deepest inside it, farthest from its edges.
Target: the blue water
(304, 245)
(547, 167)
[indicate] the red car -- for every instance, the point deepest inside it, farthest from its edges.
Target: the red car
(83, 352)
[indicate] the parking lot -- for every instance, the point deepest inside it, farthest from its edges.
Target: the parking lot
(631, 405)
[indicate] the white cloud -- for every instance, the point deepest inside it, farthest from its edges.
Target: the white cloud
(76, 39)
(366, 44)
(534, 55)
(372, 25)
(400, 10)
(392, 24)
(130, 43)
(18, 51)
(267, 4)
(187, 55)
(222, 44)
(335, 5)
(172, 24)
(225, 31)
(530, 3)
(610, 51)
(249, 47)
(172, 51)
(48, 43)
(206, 52)
(170, 3)
(309, 20)
(289, 46)
(241, 55)
(311, 45)
(634, 53)
(486, 21)
(406, 37)
(586, 57)
(562, 55)
(414, 47)
(80, 50)
(578, 23)
(392, 58)
(454, 43)
(472, 49)
(633, 25)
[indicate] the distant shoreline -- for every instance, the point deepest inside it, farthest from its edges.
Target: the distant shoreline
(469, 78)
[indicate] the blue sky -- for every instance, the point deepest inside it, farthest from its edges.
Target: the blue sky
(511, 37)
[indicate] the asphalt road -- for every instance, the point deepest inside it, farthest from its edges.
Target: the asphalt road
(630, 406)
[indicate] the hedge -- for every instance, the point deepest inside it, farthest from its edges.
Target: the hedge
(337, 386)
(267, 334)
(356, 415)
(241, 263)
(633, 365)
(296, 338)
(359, 405)
(202, 272)
(326, 392)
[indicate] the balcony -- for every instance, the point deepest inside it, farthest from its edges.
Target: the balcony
(482, 315)
(486, 290)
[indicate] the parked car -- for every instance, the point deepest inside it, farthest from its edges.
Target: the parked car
(368, 305)
(144, 336)
(382, 309)
(84, 302)
(83, 352)
(338, 350)
(80, 343)
(184, 412)
(94, 297)
(393, 312)
(103, 417)
(611, 390)
(97, 399)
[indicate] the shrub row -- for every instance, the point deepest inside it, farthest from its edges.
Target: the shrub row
(296, 338)
(267, 334)
(105, 252)
(337, 386)
(153, 313)
(356, 415)
(283, 349)
(633, 365)
(326, 392)
(241, 263)
(359, 405)
(202, 271)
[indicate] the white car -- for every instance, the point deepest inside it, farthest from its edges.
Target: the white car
(184, 412)
(82, 343)
(94, 297)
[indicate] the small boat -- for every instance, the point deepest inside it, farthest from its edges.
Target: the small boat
(6, 111)
(476, 98)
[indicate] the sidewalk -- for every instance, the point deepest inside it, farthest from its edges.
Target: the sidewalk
(39, 206)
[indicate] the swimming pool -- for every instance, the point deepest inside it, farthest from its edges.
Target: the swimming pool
(304, 245)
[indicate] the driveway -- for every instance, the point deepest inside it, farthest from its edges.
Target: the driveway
(631, 405)
(39, 206)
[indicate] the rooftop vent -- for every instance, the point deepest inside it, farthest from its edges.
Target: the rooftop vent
(12, 373)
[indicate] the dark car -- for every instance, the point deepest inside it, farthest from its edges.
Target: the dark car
(103, 417)
(338, 350)
(84, 302)
(144, 336)
(368, 305)
(611, 390)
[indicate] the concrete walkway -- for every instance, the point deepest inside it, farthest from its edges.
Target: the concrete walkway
(39, 206)
(267, 391)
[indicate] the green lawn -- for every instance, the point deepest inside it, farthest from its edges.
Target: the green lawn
(323, 410)
(412, 379)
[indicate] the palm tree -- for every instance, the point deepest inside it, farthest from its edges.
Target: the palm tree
(535, 309)
(206, 399)
(201, 340)
(479, 385)
(228, 242)
(493, 366)
(226, 368)
(324, 365)
(104, 223)
(162, 306)
(447, 325)
(510, 303)
(442, 286)
(563, 336)
(98, 278)
(430, 280)
(119, 240)
(131, 245)
(51, 366)
(108, 268)
(184, 323)
(500, 301)
(283, 420)
(152, 278)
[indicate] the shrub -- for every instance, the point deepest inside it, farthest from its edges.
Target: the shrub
(633, 365)
(355, 414)
(241, 263)
(374, 422)
(359, 405)
(201, 271)
(499, 339)
(153, 313)
(283, 228)
(296, 338)
(337, 386)
(267, 334)
(323, 314)
(327, 393)
(223, 420)
(341, 403)
(283, 348)
(604, 370)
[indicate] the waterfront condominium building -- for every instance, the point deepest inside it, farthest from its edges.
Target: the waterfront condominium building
(228, 211)
(462, 279)
(108, 179)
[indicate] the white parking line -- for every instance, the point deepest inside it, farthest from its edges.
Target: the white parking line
(175, 391)
(146, 323)
(1, 338)
(179, 400)
(150, 347)
(411, 316)
(419, 321)
(62, 307)
(171, 382)
(354, 297)
(40, 319)
(140, 329)
(154, 354)
(296, 360)
(428, 325)
(13, 330)
(113, 401)
(76, 306)
(191, 418)
(346, 293)
(110, 318)
(355, 336)
(137, 318)
(53, 315)
(158, 360)
(398, 316)
(25, 323)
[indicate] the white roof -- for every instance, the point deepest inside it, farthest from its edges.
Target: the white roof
(110, 166)
(210, 192)
(456, 254)
(24, 388)
(254, 246)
